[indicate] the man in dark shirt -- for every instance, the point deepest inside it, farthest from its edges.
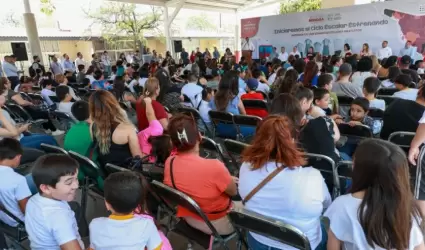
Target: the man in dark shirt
(404, 66)
(396, 117)
(184, 55)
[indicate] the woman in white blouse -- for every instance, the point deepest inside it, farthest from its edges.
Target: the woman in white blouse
(366, 51)
(364, 70)
(380, 211)
(296, 195)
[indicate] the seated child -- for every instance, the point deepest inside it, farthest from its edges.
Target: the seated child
(49, 220)
(204, 108)
(321, 101)
(99, 82)
(135, 82)
(155, 128)
(114, 73)
(46, 92)
(370, 88)
(123, 229)
(62, 92)
(14, 190)
(325, 82)
(251, 87)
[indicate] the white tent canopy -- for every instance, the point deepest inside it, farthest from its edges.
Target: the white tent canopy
(226, 6)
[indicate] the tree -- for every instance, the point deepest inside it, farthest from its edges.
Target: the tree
(47, 7)
(201, 23)
(291, 6)
(125, 20)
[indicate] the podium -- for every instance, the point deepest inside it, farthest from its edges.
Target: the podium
(248, 55)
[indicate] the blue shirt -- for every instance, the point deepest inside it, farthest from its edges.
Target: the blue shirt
(409, 52)
(313, 81)
(68, 65)
(100, 85)
(232, 106)
(10, 69)
(216, 54)
(242, 86)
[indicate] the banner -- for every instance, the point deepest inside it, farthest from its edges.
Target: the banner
(328, 30)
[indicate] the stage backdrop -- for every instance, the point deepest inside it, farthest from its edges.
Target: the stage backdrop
(328, 30)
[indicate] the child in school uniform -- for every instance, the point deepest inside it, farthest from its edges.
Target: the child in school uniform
(49, 219)
(204, 108)
(123, 229)
(14, 190)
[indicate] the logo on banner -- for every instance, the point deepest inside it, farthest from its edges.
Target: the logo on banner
(315, 19)
(250, 26)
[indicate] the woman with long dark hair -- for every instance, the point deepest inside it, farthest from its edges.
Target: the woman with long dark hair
(288, 83)
(226, 99)
(380, 211)
(274, 152)
(384, 70)
(310, 76)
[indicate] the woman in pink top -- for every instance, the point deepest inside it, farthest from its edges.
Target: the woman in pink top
(155, 128)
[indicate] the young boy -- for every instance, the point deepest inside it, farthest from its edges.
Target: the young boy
(122, 229)
(358, 115)
(321, 101)
(251, 87)
(325, 82)
(49, 220)
(81, 74)
(204, 108)
(114, 73)
(14, 190)
(370, 88)
(65, 104)
(402, 83)
(46, 92)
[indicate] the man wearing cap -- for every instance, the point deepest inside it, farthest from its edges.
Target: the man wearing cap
(251, 87)
(10, 70)
(404, 65)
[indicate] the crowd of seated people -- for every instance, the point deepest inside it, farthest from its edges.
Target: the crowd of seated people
(304, 116)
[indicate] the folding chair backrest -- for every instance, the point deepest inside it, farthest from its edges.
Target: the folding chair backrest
(359, 131)
(89, 168)
(377, 114)
(187, 100)
(328, 169)
(20, 111)
(25, 96)
(387, 91)
(111, 168)
(174, 197)
(50, 149)
(211, 150)
(54, 98)
(345, 171)
(245, 220)
(36, 97)
(19, 231)
(16, 117)
(247, 120)
(235, 149)
(266, 97)
(388, 99)
(255, 104)
(402, 138)
(190, 112)
(345, 100)
(218, 118)
(416, 176)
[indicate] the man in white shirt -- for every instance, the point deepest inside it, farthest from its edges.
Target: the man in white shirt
(385, 51)
(283, 55)
(106, 62)
(295, 52)
(193, 91)
(49, 220)
(14, 190)
(402, 83)
(80, 60)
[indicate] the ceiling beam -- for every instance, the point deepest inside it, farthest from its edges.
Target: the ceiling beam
(215, 3)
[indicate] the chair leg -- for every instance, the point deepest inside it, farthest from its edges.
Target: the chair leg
(84, 194)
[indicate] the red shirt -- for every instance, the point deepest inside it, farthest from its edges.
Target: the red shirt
(204, 180)
(159, 110)
(252, 111)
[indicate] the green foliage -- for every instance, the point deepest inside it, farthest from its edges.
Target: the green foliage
(125, 20)
(291, 6)
(47, 7)
(201, 23)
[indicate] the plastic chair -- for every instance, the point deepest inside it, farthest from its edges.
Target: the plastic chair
(245, 220)
(111, 168)
(328, 169)
(195, 114)
(255, 104)
(65, 119)
(234, 149)
(211, 150)
(19, 111)
(223, 118)
(402, 139)
(243, 122)
(387, 91)
(345, 171)
(50, 149)
(358, 131)
(174, 197)
(18, 233)
(377, 114)
(54, 99)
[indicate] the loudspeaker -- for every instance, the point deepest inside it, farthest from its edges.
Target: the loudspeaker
(20, 51)
(178, 46)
